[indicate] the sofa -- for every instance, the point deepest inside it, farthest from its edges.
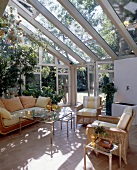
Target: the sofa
(10, 110)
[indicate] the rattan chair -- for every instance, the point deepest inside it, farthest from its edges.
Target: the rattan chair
(88, 111)
(115, 134)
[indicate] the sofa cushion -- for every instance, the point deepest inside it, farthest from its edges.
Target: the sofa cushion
(42, 101)
(87, 112)
(1, 104)
(27, 101)
(13, 104)
(5, 113)
(124, 119)
(14, 120)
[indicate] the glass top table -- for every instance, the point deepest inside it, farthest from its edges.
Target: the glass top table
(48, 117)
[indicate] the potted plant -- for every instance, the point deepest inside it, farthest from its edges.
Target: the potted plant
(109, 89)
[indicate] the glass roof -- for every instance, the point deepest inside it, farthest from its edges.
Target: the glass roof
(57, 33)
(95, 16)
(40, 37)
(66, 19)
(127, 12)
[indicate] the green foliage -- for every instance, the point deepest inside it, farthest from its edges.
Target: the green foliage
(49, 77)
(50, 92)
(35, 91)
(45, 72)
(100, 130)
(32, 90)
(109, 88)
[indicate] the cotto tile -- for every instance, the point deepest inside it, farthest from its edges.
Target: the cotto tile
(32, 150)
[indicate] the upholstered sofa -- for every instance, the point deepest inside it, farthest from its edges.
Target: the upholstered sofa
(10, 110)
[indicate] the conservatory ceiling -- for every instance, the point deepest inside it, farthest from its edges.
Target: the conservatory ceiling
(80, 31)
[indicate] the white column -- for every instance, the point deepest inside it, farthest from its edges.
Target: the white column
(96, 79)
(73, 86)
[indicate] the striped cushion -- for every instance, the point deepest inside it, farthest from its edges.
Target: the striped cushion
(87, 112)
(91, 102)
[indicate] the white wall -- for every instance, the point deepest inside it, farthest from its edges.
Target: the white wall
(125, 74)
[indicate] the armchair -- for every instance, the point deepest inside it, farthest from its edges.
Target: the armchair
(88, 111)
(117, 129)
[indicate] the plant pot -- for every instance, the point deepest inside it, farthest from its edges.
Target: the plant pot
(108, 108)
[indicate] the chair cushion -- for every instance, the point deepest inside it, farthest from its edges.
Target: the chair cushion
(125, 117)
(91, 102)
(42, 101)
(1, 104)
(27, 101)
(105, 124)
(5, 113)
(13, 104)
(87, 112)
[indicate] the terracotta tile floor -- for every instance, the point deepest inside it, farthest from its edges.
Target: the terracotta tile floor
(31, 150)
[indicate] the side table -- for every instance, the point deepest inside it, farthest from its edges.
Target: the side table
(107, 152)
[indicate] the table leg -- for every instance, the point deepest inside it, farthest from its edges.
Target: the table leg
(119, 147)
(51, 136)
(61, 123)
(51, 133)
(110, 161)
(53, 127)
(74, 123)
(85, 150)
(71, 120)
(20, 124)
(67, 128)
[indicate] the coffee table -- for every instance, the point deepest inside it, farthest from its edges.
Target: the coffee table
(50, 118)
(105, 152)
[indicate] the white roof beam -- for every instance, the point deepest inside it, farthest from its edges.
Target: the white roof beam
(118, 24)
(85, 24)
(49, 48)
(39, 7)
(28, 16)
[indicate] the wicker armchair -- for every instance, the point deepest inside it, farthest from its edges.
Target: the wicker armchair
(88, 111)
(115, 134)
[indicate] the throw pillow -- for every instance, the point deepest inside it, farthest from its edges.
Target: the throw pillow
(5, 114)
(13, 104)
(27, 101)
(42, 101)
(1, 104)
(124, 119)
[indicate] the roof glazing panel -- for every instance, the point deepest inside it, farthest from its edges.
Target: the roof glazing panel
(41, 38)
(66, 19)
(56, 32)
(127, 12)
(95, 15)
